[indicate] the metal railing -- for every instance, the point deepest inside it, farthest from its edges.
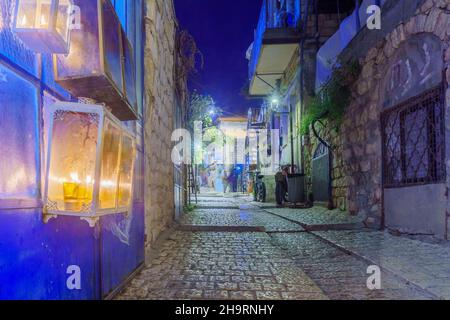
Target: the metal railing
(414, 141)
(271, 18)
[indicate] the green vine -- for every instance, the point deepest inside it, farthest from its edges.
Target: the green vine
(333, 98)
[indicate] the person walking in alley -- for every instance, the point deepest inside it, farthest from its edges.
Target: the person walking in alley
(281, 186)
(225, 181)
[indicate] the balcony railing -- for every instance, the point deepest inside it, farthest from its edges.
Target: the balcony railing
(273, 18)
(257, 118)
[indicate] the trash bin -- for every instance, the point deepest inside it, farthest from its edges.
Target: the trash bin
(296, 188)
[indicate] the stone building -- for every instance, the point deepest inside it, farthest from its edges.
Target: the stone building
(388, 158)
(282, 69)
(395, 134)
(389, 154)
(164, 110)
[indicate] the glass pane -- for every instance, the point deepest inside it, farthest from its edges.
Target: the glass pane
(26, 14)
(120, 6)
(126, 171)
(129, 72)
(83, 59)
(43, 12)
(113, 62)
(110, 167)
(19, 149)
(62, 19)
(72, 161)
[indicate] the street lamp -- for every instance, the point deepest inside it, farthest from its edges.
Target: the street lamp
(90, 163)
(43, 25)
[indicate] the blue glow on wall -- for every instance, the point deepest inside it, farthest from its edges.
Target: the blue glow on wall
(34, 256)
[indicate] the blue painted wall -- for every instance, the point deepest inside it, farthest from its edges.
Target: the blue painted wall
(34, 256)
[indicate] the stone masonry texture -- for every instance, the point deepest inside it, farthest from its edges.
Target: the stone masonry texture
(160, 29)
(358, 164)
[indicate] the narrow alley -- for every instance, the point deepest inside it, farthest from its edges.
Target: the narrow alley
(224, 150)
(229, 248)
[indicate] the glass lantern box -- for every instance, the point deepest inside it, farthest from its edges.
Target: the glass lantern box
(90, 163)
(43, 25)
(100, 64)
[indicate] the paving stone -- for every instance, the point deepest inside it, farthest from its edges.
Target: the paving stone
(424, 264)
(252, 250)
(286, 263)
(339, 275)
(236, 217)
(316, 216)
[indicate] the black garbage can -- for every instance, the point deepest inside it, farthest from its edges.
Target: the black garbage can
(296, 188)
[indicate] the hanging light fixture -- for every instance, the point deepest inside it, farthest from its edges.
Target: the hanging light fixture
(44, 25)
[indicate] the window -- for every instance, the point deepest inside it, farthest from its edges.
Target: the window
(19, 129)
(414, 142)
(130, 13)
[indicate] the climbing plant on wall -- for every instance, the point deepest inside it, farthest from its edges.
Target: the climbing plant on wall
(330, 103)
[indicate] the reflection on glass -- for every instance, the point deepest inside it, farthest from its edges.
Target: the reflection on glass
(34, 14)
(19, 143)
(43, 14)
(112, 45)
(83, 59)
(129, 72)
(126, 171)
(110, 166)
(72, 160)
(62, 20)
(26, 14)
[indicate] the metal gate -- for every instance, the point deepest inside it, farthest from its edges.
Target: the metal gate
(320, 173)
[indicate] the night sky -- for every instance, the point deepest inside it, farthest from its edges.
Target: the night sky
(223, 30)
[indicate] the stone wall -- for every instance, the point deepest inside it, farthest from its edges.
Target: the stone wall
(161, 26)
(361, 130)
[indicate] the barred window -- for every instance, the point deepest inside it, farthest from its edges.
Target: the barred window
(414, 141)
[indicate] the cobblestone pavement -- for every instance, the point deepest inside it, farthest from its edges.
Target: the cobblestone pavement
(314, 216)
(284, 262)
(236, 217)
(339, 275)
(218, 265)
(424, 264)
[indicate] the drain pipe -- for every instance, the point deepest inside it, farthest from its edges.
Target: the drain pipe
(330, 205)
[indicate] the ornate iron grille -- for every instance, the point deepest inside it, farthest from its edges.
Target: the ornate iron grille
(414, 141)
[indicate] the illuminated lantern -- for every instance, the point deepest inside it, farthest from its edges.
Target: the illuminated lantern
(100, 64)
(43, 25)
(90, 163)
